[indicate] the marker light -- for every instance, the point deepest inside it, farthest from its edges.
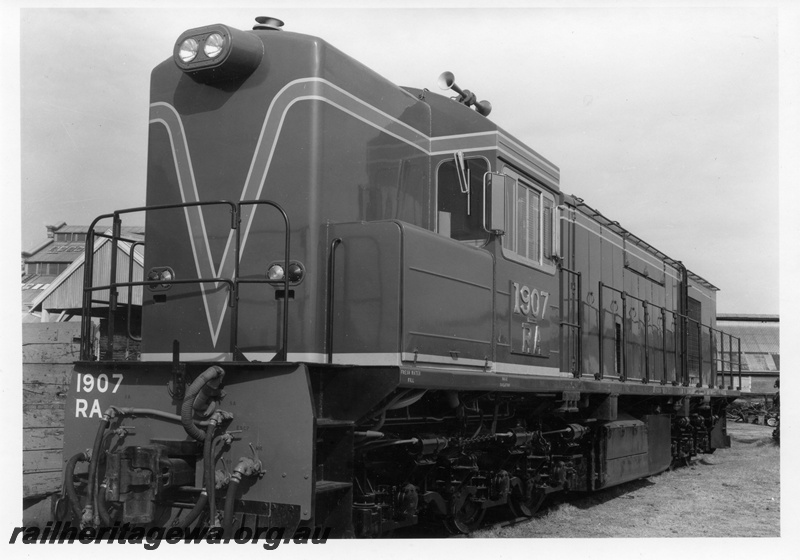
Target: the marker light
(188, 50)
(296, 272)
(275, 273)
(214, 44)
(160, 274)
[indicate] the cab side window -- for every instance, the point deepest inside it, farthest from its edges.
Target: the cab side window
(531, 216)
(459, 213)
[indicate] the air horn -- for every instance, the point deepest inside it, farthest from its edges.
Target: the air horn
(465, 96)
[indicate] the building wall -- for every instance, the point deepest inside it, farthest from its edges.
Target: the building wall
(760, 347)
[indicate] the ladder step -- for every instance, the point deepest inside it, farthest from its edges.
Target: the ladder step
(328, 423)
(331, 486)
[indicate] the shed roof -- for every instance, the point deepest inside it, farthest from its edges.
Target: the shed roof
(756, 337)
(78, 229)
(59, 251)
(750, 317)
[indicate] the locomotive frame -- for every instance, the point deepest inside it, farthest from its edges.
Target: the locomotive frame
(401, 318)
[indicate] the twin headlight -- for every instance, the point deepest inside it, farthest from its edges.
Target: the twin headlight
(218, 52)
(190, 48)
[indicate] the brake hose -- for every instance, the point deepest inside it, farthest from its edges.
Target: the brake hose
(230, 499)
(208, 463)
(201, 390)
(69, 482)
(100, 496)
(87, 518)
(196, 510)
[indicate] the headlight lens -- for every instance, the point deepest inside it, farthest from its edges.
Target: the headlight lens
(296, 272)
(275, 273)
(167, 276)
(214, 45)
(188, 50)
(161, 274)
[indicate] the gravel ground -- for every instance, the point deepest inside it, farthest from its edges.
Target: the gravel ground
(732, 493)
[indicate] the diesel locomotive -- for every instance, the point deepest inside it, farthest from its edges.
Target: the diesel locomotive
(365, 307)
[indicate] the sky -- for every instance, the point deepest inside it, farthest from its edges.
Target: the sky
(665, 119)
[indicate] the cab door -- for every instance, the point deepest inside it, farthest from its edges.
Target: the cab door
(527, 314)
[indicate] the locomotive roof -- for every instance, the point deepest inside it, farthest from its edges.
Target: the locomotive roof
(638, 241)
(450, 118)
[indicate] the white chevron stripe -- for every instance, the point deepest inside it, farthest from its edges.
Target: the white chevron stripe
(304, 89)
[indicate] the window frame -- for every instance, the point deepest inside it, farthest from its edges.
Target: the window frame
(543, 263)
(475, 190)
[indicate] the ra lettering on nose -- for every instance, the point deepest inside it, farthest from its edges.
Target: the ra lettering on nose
(81, 405)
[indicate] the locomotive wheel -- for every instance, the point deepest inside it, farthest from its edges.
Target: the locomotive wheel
(466, 514)
(525, 503)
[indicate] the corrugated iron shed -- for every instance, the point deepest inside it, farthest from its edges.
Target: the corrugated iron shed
(760, 339)
(758, 333)
(65, 293)
(45, 262)
(62, 252)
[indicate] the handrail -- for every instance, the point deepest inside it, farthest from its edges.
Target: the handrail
(568, 314)
(284, 351)
(712, 361)
(331, 284)
(134, 244)
(231, 283)
(88, 264)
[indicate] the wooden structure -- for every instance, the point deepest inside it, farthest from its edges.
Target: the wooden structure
(48, 352)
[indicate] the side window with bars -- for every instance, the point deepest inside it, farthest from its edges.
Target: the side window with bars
(530, 215)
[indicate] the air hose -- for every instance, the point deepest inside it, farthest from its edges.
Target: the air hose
(196, 511)
(87, 519)
(247, 467)
(69, 482)
(102, 508)
(202, 389)
(210, 479)
(230, 499)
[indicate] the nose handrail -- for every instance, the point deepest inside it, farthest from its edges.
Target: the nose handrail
(232, 284)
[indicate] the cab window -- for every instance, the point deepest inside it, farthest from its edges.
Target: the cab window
(531, 217)
(459, 213)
